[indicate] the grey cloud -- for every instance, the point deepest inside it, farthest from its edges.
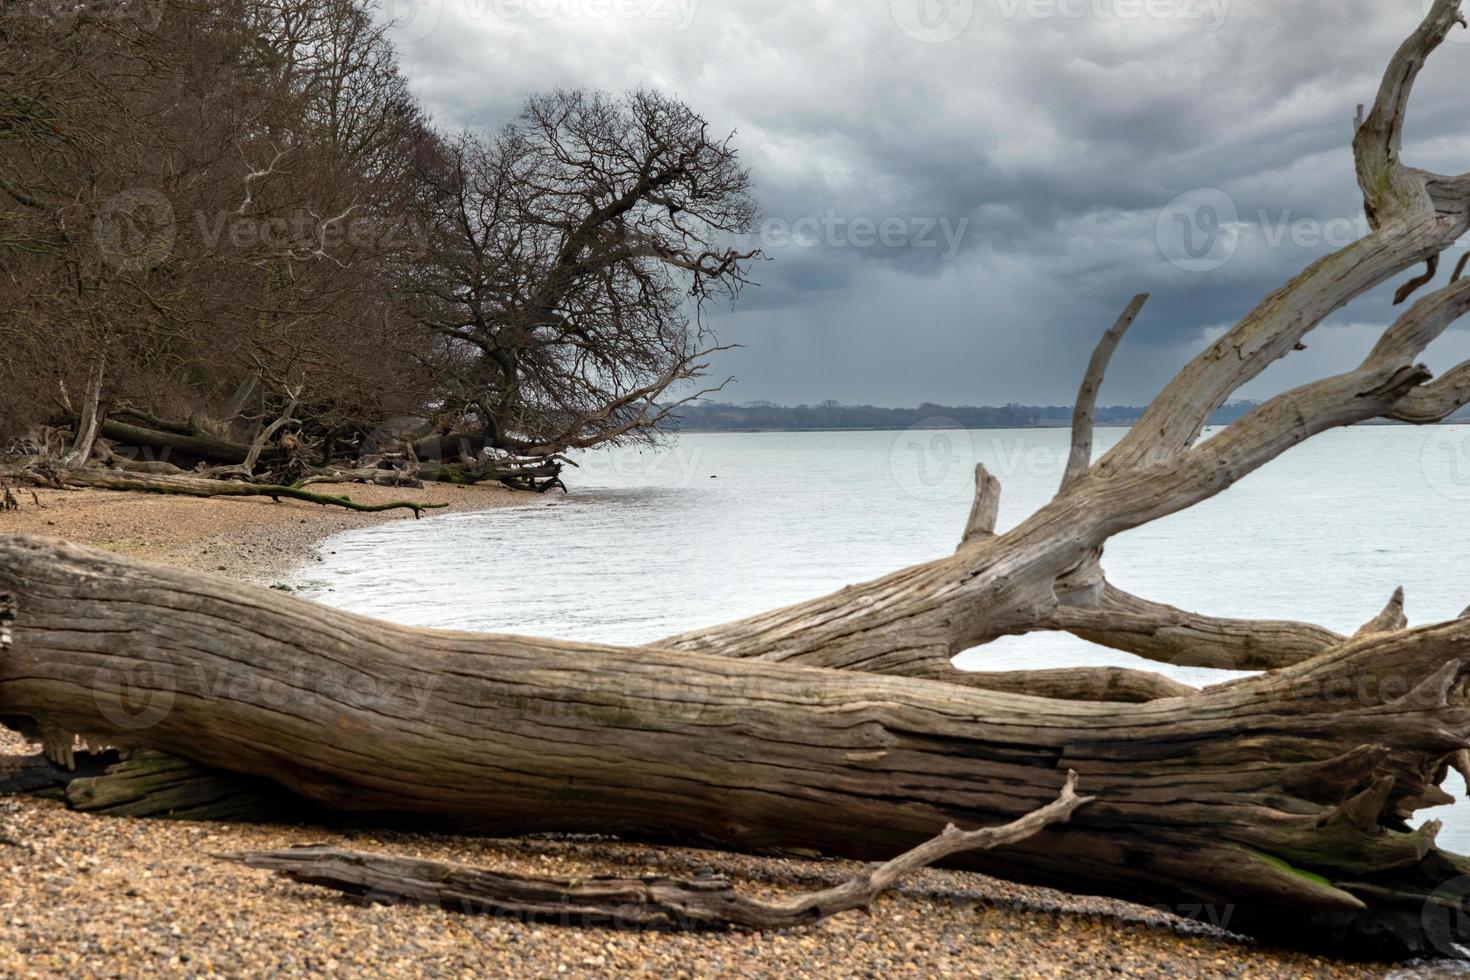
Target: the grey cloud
(1059, 139)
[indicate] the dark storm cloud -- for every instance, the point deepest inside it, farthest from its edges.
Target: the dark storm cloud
(956, 205)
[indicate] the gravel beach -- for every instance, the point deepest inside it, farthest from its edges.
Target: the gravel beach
(94, 897)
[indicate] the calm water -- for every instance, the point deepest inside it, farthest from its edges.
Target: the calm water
(719, 526)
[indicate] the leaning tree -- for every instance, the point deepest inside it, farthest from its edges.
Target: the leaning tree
(570, 259)
(839, 724)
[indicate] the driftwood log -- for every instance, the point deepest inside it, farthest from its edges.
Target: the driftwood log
(840, 724)
(1282, 796)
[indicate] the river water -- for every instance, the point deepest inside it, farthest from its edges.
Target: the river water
(717, 526)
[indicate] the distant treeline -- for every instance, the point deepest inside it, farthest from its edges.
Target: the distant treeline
(757, 416)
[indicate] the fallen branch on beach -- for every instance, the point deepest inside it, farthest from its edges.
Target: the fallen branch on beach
(184, 486)
(840, 725)
(646, 902)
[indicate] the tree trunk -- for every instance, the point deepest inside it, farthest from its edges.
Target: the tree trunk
(90, 419)
(1277, 796)
(196, 447)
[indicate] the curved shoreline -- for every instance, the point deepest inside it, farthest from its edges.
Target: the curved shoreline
(252, 540)
(90, 895)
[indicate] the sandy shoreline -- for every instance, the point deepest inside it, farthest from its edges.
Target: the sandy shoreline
(248, 539)
(89, 896)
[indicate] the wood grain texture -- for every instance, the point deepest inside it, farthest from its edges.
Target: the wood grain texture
(1224, 797)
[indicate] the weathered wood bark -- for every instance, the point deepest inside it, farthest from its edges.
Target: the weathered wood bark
(190, 446)
(1281, 795)
(90, 419)
(633, 902)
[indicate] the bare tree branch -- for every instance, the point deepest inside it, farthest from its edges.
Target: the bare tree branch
(644, 902)
(1080, 460)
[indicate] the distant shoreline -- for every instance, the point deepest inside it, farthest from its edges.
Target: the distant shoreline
(1040, 426)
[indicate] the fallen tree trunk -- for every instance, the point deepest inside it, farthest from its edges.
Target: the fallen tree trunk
(198, 446)
(631, 902)
(1278, 796)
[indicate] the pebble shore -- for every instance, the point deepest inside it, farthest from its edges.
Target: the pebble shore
(95, 897)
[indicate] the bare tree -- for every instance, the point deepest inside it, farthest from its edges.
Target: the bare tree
(569, 253)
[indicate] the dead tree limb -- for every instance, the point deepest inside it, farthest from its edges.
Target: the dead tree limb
(195, 446)
(269, 433)
(647, 902)
(1080, 460)
(90, 420)
(1117, 619)
(191, 487)
(986, 510)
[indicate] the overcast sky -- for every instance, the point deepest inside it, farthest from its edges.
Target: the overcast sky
(959, 196)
